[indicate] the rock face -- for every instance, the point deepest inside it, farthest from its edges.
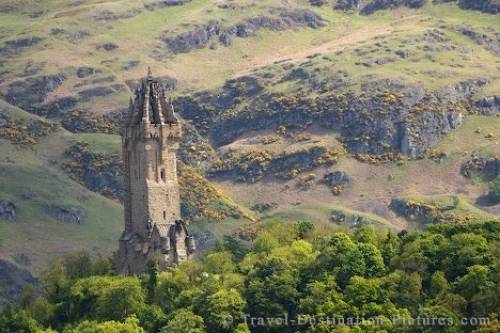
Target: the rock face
(33, 90)
(7, 210)
(368, 7)
(203, 35)
(12, 281)
(253, 166)
(489, 106)
(13, 47)
(336, 178)
(341, 217)
(386, 117)
(487, 168)
(317, 2)
(488, 38)
(264, 207)
(72, 215)
(487, 6)
(85, 71)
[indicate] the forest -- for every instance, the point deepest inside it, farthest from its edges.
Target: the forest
(293, 277)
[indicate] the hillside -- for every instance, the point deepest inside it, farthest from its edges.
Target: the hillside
(323, 111)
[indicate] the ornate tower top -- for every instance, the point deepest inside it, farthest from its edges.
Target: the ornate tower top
(150, 105)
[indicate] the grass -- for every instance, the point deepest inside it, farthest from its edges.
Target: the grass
(472, 137)
(38, 233)
(319, 214)
(101, 143)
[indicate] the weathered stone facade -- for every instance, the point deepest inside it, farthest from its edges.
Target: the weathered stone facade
(153, 226)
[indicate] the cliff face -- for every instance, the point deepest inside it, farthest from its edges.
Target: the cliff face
(385, 117)
(13, 280)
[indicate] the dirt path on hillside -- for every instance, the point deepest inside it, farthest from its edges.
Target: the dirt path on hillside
(348, 39)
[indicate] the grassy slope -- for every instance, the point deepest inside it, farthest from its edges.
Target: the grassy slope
(137, 37)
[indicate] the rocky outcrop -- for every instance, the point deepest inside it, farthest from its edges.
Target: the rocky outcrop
(487, 6)
(438, 209)
(32, 91)
(165, 3)
(13, 280)
(83, 72)
(24, 131)
(98, 172)
(7, 210)
(214, 30)
(255, 165)
(72, 215)
(376, 5)
(367, 7)
(56, 108)
(318, 3)
(487, 168)
(13, 47)
(264, 207)
(350, 219)
(337, 181)
(386, 117)
(336, 178)
(348, 5)
(489, 106)
(488, 38)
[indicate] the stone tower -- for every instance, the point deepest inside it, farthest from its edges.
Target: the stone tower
(153, 226)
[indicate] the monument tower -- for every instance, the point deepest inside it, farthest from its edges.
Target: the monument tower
(153, 226)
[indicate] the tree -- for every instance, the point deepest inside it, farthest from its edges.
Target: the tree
(152, 280)
(184, 321)
(220, 263)
(374, 262)
(152, 319)
(439, 284)
(389, 248)
(130, 325)
(478, 288)
(303, 228)
(365, 234)
(466, 249)
(322, 299)
(342, 257)
(264, 243)
(236, 247)
(170, 285)
(362, 291)
(272, 288)
(17, 321)
(121, 300)
(78, 265)
(405, 289)
(223, 311)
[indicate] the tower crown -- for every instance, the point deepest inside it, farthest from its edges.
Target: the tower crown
(150, 105)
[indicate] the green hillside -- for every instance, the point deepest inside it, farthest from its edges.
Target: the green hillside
(291, 112)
